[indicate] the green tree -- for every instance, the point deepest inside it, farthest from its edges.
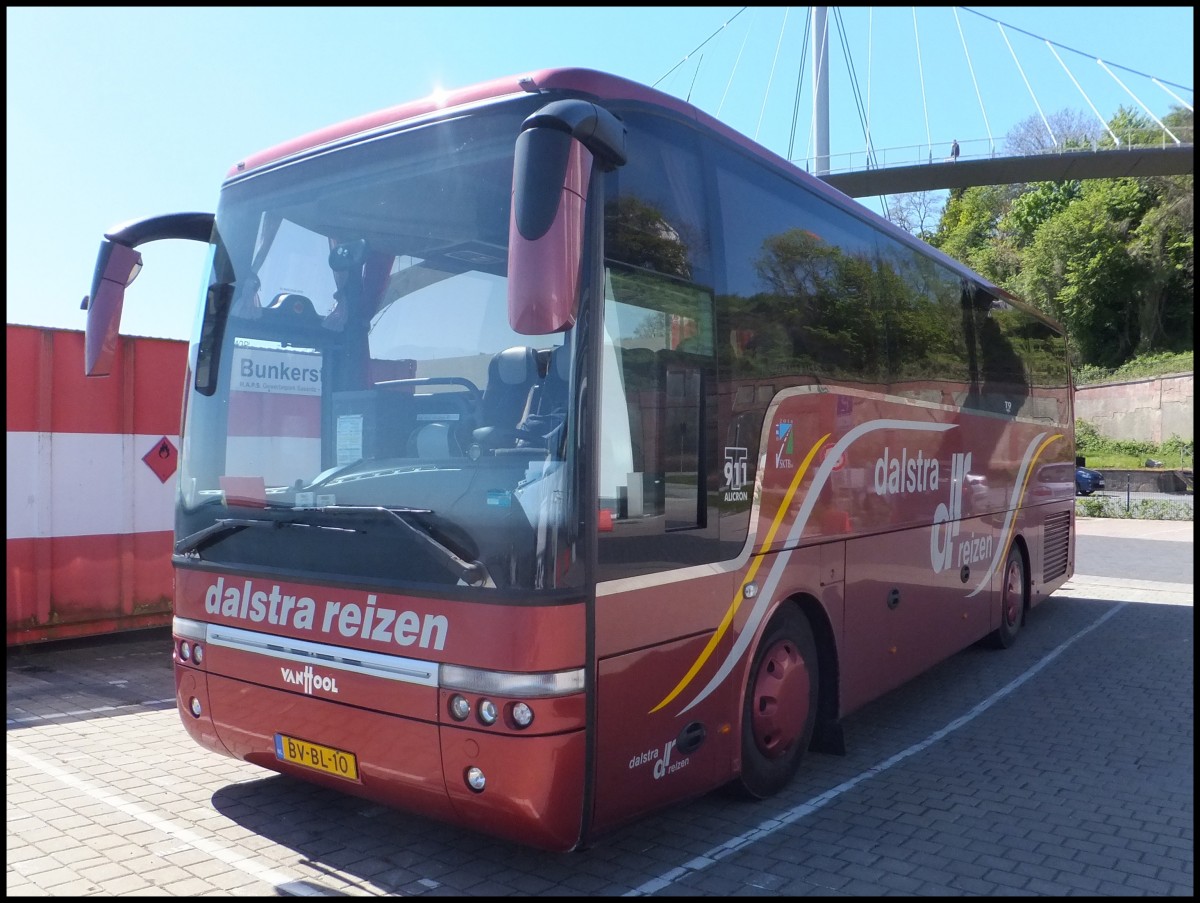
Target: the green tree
(969, 226)
(1036, 204)
(1113, 259)
(1164, 244)
(1079, 269)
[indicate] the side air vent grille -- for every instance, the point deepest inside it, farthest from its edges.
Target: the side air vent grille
(1057, 535)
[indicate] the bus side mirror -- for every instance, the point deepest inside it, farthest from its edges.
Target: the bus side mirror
(116, 267)
(117, 264)
(552, 169)
(545, 234)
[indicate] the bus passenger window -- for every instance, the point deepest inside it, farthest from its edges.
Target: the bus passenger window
(658, 352)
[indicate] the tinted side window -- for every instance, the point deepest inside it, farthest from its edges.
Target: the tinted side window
(658, 363)
(798, 284)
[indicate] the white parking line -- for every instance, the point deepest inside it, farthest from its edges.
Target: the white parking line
(283, 883)
(79, 713)
(1127, 589)
(767, 828)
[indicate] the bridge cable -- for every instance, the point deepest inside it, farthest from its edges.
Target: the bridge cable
(974, 81)
(864, 113)
(733, 71)
(1161, 83)
(921, 76)
(1139, 102)
(853, 76)
(771, 77)
(883, 211)
(1080, 52)
(1003, 34)
(1115, 139)
(702, 43)
(1172, 93)
(692, 86)
(799, 85)
(870, 58)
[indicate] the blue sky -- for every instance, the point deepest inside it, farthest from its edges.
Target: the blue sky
(119, 113)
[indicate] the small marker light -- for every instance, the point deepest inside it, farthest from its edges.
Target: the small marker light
(487, 711)
(522, 715)
(459, 707)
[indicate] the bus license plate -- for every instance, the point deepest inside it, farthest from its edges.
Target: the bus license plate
(337, 762)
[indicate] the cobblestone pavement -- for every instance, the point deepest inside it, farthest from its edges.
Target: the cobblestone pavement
(1061, 766)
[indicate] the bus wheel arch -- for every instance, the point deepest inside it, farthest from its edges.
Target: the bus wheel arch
(827, 732)
(1014, 595)
(780, 703)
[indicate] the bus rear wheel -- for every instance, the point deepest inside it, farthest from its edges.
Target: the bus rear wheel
(780, 707)
(1014, 600)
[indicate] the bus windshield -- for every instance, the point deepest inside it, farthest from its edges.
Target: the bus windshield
(358, 404)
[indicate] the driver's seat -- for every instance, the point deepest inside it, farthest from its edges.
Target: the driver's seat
(512, 375)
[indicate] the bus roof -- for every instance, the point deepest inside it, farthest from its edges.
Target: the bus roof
(605, 87)
(599, 84)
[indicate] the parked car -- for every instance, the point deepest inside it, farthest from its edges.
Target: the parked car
(1087, 480)
(1052, 481)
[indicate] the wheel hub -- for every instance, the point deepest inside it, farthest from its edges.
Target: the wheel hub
(780, 701)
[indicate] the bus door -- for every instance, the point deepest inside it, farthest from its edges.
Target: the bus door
(909, 600)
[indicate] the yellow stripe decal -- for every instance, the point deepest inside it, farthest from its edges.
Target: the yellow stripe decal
(757, 561)
(1009, 530)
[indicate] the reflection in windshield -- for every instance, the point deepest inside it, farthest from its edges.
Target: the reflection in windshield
(368, 364)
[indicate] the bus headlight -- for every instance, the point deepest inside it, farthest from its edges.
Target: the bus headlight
(475, 779)
(185, 650)
(198, 654)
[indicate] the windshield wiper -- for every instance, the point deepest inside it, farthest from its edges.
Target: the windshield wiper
(473, 573)
(223, 526)
(227, 525)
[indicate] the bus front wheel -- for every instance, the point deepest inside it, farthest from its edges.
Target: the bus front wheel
(1014, 599)
(780, 707)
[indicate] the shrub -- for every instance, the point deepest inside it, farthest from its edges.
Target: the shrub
(1142, 509)
(1148, 365)
(1103, 452)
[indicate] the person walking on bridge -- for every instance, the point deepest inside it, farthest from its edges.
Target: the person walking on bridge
(954, 150)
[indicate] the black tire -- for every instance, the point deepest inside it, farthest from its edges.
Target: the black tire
(1014, 600)
(780, 707)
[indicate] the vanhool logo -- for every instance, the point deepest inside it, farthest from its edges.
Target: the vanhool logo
(309, 680)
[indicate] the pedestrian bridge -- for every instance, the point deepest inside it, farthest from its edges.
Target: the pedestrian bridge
(1047, 166)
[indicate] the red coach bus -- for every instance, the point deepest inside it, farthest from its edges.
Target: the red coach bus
(552, 453)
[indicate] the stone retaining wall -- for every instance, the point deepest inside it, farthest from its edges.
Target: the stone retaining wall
(1147, 480)
(1144, 410)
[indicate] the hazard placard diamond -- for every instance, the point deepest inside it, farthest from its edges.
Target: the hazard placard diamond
(163, 458)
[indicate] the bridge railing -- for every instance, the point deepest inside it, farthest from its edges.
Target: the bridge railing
(987, 148)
